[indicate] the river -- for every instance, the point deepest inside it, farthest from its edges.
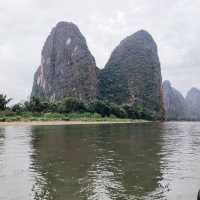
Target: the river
(144, 161)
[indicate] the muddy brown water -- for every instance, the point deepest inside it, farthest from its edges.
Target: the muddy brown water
(145, 161)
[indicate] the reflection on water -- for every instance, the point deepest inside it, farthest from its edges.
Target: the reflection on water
(15, 151)
(181, 160)
(100, 162)
(2, 138)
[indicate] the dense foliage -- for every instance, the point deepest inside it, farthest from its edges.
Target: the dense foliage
(71, 107)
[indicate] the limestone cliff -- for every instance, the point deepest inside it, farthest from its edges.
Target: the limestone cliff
(67, 67)
(133, 75)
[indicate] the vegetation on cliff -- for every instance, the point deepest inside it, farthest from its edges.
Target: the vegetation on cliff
(132, 75)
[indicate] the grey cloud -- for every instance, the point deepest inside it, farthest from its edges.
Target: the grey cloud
(25, 25)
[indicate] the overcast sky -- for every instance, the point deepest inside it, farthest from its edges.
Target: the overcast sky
(25, 24)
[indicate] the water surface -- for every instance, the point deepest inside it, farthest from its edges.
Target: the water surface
(100, 162)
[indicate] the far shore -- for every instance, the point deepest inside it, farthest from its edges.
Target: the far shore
(49, 123)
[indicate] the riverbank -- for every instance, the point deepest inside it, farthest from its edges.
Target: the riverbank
(28, 116)
(49, 123)
(61, 119)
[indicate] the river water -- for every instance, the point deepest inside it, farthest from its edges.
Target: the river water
(146, 161)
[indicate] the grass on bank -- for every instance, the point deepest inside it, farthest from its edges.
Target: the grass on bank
(70, 109)
(28, 116)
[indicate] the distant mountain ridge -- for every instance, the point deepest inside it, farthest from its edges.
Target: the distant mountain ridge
(179, 108)
(174, 103)
(193, 102)
(132, 76)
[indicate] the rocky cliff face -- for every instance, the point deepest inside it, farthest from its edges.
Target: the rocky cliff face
(67, 67)
(193, 102)
(174, 103)
(133, 75)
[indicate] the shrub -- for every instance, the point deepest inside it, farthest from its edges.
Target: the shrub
(86, 115)
(7, 113)
(53, 115)
(99, 107)
(70, 104)
(118, 111)
(2, 119)
(36, 105)
(52, 107)
(137, 112)
(131, 113)
(18, 108)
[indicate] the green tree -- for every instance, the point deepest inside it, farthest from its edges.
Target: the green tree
(36, 105)
(3, 101)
